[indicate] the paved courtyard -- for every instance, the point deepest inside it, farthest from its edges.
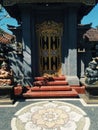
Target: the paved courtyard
(49, 114)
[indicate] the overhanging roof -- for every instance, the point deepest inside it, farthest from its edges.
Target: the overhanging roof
(13, 2)
(6, 38)
(87, 33)
(91, 35)
(12, 6)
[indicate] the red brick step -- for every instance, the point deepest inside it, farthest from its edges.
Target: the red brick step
(54, 78)
(56, 87)
(52, 83)
(48, 94)
(51, 88)
(79, 89)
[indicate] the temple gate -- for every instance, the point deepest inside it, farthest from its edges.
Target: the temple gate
(49, 40)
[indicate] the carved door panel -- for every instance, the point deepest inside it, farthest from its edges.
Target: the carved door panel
(49, 35)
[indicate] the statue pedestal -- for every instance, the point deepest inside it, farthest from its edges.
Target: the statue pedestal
(6, 94)
(91, 92)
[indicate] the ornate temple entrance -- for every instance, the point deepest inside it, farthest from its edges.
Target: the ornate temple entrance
(49, 42)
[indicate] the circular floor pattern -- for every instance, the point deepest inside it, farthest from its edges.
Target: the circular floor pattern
(54, 115)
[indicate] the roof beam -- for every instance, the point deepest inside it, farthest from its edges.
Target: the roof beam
(12, 2)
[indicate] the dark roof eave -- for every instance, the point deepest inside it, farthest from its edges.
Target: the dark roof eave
(91, 35)
(13, 2)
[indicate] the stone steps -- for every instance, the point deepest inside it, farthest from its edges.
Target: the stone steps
(56, 83)
(51, 88)
(79, 89)
(61, 78)
(49, 94)
(55, 87)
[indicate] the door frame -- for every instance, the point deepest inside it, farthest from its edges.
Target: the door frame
(50, 30)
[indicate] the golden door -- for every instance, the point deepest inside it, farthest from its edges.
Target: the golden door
(49, 40)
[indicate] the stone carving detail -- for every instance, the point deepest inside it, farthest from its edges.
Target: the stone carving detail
(91, 72)
(6, 74)
(49, 40)
(50, 28)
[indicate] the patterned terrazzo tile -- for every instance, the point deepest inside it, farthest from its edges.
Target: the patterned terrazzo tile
(54, 115)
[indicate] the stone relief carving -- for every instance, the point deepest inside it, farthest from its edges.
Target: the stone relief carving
(6, 74)
(91, 72)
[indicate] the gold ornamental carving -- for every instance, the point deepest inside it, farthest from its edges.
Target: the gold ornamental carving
(50, 28)
(49, 40)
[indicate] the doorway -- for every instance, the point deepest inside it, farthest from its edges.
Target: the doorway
(49, 35)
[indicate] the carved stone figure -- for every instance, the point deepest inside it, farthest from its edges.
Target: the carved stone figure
(6, 74)
(91, 73)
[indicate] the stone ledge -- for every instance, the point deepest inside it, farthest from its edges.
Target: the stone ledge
(6, 95)
(72, 80)
(91, 92)
(6, 87)
(6, 101)
(82, 80)
(88, 100)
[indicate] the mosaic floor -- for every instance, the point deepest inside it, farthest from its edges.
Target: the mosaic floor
(50, 115)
